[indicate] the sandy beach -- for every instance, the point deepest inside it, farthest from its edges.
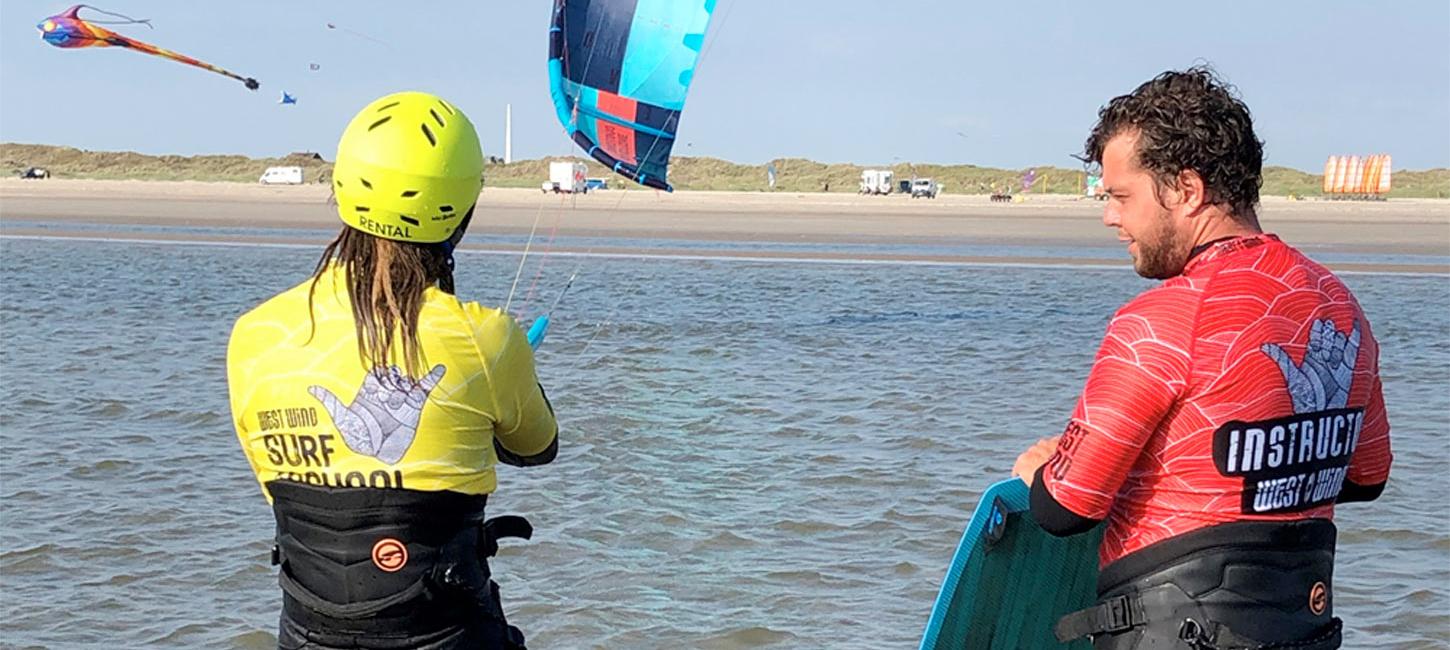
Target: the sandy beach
(105, 209)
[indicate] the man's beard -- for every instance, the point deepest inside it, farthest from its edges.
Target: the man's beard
(1159, 257)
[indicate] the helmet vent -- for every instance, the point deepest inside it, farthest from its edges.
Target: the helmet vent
(445, 106)
(379, 123)
(365, 183)
(339, 183)
(385, 107)
(436, 118)
(429, 132)
(363, 208)
(408, 219)
(408, 194)
(446, 208)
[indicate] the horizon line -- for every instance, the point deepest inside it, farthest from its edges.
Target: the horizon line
(578, 156)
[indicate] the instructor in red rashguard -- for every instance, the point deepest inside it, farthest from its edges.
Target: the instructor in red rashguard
(1229, 409)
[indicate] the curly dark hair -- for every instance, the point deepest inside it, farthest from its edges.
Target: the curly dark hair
(1189, 120)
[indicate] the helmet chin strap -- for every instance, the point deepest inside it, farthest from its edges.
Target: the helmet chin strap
(451, 244)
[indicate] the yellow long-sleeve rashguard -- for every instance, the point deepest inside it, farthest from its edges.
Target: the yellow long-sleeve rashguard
(306, 410)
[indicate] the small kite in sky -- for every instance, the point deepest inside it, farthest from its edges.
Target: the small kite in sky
(356, 33)
(69, 30)
(286, 99)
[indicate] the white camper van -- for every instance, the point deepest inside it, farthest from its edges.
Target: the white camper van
(876, 181)
(281, 176)
(566, 177)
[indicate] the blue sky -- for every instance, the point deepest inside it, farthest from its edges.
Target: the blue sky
(998, 84)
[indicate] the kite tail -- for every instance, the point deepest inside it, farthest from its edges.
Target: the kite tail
(148, 48)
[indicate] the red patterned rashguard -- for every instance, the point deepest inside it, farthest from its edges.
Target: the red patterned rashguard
(1245, 389)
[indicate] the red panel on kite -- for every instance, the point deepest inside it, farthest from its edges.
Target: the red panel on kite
(616, 139)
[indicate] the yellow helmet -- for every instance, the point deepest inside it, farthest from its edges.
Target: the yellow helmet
(408, 168)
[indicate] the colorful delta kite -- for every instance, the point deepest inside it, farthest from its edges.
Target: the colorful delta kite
(69, 30)
(619, 71)
(286, 99)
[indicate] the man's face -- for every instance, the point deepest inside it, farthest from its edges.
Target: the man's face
(1158, 241)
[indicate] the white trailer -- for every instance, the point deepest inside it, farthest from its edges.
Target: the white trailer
(876, 181)
(567, 177)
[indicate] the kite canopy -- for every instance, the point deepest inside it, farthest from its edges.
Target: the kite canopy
(619, 71)
(69, 30)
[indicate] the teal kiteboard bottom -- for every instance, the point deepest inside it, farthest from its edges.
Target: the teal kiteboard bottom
(1010, 580)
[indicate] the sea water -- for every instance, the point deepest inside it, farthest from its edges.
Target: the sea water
(753, 454)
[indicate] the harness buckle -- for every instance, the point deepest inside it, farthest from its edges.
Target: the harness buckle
(276, 555)
(1116, 615)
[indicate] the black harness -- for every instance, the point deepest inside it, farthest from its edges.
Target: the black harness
(1238, 586)
(398, 567)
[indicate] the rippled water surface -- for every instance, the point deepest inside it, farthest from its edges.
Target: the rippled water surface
(753, 454)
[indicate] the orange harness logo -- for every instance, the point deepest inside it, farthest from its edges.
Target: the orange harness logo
(1318, 598)
(390, 554)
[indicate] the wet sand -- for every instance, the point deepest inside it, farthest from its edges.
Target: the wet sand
(104, 209)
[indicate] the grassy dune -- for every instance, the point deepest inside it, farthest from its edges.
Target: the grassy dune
(66, 162)
(792, 174)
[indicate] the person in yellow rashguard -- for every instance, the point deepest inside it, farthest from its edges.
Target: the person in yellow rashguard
(373, 405)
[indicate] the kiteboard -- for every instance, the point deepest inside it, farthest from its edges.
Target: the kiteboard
(1010, 581)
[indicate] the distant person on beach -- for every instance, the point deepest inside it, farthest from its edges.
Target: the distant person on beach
(373, 404)
(1230, 408)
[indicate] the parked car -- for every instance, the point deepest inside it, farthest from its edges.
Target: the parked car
(35, 172)
(924, 188)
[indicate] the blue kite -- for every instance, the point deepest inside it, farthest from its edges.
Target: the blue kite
(619, 71)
